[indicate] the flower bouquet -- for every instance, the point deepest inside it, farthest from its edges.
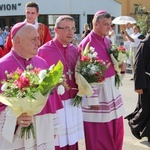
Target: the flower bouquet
(118, 56)
(27, 91)
(89, 70)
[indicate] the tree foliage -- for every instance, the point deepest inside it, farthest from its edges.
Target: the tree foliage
(143, 18)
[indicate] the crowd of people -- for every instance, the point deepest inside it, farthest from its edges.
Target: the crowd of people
(60, 125)
(3, 36)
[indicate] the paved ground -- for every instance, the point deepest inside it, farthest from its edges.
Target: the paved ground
(81, 145)
(130, 100)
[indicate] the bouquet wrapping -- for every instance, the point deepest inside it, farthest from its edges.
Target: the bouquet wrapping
(89, 69)
(27, 91)
(118, 56)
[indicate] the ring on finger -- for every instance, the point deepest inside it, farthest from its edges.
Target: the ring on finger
(22, 121)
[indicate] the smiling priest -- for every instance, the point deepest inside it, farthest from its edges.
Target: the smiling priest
(60, 48)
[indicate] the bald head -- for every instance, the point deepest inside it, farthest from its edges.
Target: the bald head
(25, 41)
(24, 30)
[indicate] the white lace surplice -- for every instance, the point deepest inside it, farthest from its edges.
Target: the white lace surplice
(44, 129)
(108, 97)
(72, 127)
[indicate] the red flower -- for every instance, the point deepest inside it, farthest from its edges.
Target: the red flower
(85, 58)
(22, 82)
(100, 61)
(101, 79)
(96, 58)
(37, 70)
(98, 73)
(121, 49)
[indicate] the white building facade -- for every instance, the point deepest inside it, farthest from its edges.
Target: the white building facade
(12, 11)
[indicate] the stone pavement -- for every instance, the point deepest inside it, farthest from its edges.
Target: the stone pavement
(81, 145)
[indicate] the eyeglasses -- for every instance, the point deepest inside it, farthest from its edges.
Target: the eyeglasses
(68, 29)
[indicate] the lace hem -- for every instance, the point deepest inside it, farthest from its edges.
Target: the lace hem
(2, 119)
(57, 123)
(43, 146)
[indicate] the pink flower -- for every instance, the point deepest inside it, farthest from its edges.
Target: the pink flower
(37, 70)
(101, 62)
(121, 49)
(19, 71)
(22, 82)
(11, 75)
(85, 58)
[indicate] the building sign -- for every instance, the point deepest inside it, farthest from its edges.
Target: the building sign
(7, 7)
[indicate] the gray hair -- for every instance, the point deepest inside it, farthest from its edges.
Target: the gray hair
(61, 18)
(100, 16)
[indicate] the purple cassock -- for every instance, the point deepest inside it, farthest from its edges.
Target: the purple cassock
(12, 61)
(70, 116)
(106, 123)
(55, 52)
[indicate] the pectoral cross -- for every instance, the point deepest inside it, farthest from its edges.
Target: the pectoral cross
(69, 73)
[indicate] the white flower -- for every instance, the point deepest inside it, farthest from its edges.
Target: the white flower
(93, 68)
(42, 75)
(8, 76)
(29, 67)
(51, 67)
(23, 74)
(90, 55)
(6, 72)
(84, 70)
(92, 49)
(4, 87)
(60, 90)
(95, 54)
(60, 80)
(88, 66)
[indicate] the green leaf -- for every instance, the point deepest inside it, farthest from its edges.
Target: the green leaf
(26, 131)
(118, 82)
(86, 50)
(52, 79)
(77, 101)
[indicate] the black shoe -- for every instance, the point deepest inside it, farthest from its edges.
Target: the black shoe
(135, 133)
(148, 139)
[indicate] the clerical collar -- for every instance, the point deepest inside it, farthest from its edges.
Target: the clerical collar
(23, 62)
(97, 36)
(60, 44)
(64, 45)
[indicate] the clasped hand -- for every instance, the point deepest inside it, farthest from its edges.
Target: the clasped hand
(123, 67)
(24, 120)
